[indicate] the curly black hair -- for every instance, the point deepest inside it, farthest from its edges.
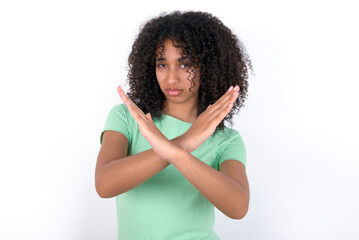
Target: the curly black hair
(208, 44)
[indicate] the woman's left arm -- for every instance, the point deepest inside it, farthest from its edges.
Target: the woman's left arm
(227, 189)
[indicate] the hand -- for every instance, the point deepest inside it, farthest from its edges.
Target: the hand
(205, 124)
(163, 147)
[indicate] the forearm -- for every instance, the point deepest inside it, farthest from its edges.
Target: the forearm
(121, 175)
(226, 194)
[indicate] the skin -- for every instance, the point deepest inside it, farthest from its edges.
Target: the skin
(227, 189)
(171, 72)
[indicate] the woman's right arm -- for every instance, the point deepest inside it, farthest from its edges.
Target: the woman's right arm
(117, 173)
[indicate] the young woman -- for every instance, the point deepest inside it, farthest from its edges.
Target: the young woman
(166, 155)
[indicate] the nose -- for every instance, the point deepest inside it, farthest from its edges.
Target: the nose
(173, 76)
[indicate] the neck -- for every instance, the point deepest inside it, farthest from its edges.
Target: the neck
(186, 113)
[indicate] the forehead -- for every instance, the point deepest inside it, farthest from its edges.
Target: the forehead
(170, 50)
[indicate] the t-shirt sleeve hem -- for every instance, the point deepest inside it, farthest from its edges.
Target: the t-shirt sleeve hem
(235, 150)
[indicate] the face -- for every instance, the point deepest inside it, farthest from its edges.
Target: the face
(171, 73)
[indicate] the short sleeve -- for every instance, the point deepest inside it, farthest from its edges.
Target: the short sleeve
(116, 120)
(235, 150)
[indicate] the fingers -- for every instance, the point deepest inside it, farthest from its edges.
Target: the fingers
(148, 115)
(227, 104)
(136, 112)
(122, 94)
(229, 97)
(226, 94)
(229, 94)
(222, 106)
(125, 99)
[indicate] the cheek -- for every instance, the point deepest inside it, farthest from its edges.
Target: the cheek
(159, 78)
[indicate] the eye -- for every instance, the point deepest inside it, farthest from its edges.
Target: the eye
(184, 65)
(160, 65)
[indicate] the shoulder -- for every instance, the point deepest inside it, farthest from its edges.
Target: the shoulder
(235, 139)
(232, 147)
(120, 108)
(120, 111)
(228, 134)
(119, 115)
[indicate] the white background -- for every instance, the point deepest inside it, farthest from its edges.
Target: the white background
(60, 64)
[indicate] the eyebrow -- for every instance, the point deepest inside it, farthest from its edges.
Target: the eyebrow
(179, 60)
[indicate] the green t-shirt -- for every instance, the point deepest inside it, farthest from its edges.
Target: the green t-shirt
(167, 206)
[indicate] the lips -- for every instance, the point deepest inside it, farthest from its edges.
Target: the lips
(173, 89)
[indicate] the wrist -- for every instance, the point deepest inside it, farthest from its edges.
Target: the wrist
(177, 151)
(181, 142)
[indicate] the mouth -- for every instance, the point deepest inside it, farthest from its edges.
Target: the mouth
(174, 91)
